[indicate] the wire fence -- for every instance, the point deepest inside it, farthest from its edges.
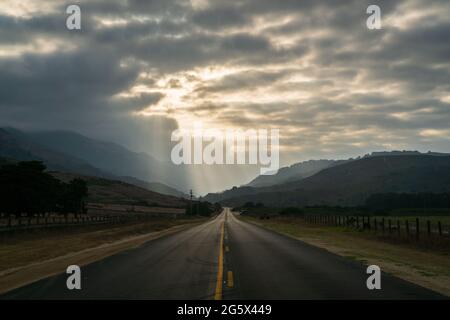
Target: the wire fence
(401, 227)
(21, 223)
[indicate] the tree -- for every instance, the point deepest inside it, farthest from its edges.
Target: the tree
(25, 187)
(73, 195)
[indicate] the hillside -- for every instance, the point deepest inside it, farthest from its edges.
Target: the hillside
(73, 153)
(349, 184)
(16, 145)
(155, 187)
(111, 157)
(107, 191)
(305, 169)
(294, 172)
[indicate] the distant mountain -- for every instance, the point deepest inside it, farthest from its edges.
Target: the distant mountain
(74, 153)
(17, 145)
(110, 157)
(350, 183)
(404, 153)
(308, 168)
(294, 172)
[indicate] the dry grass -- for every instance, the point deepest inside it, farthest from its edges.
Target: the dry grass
(425, 267)
(26, 247)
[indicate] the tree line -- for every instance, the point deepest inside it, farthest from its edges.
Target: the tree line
(201, 208)
(393, 201)
(26, 188)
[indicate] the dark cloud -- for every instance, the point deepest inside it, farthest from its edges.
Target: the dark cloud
(218, 18)
(310, 67)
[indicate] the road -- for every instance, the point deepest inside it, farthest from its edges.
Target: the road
(224, 258)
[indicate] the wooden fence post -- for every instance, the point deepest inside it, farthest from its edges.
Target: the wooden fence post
(407, 227)
(375, 224)
(428, 227)
(390, 226)
(398, 227)
(417, 228)
(440, 228)
(382, 224)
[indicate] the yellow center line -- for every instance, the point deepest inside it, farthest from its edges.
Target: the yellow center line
(218, 294)
(230, 282)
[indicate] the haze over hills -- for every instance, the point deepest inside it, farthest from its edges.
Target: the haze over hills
(350, 183)
(112, 157)
(73, 153)
(17, 145)
(294, 172)
(315, 182)
(301, 170)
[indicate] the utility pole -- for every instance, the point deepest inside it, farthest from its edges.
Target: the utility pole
(190, 202)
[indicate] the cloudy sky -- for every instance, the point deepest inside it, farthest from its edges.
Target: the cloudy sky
(140, 69)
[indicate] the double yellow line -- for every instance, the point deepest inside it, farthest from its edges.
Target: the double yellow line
(219, 282)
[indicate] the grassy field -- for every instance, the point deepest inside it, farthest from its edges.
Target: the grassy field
(27, 247)
(423, 266)
(445, 220)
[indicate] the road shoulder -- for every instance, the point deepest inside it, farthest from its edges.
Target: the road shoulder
(17, 277)
(427, 269)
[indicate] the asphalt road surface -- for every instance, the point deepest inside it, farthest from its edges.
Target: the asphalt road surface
(224, 258)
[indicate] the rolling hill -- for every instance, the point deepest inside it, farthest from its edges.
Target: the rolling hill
(105, 191)
(74, 153)
(111, 157)
(17, 145)
(350, 183)
(295, 172)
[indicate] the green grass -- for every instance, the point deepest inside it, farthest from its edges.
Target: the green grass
(445, 222)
